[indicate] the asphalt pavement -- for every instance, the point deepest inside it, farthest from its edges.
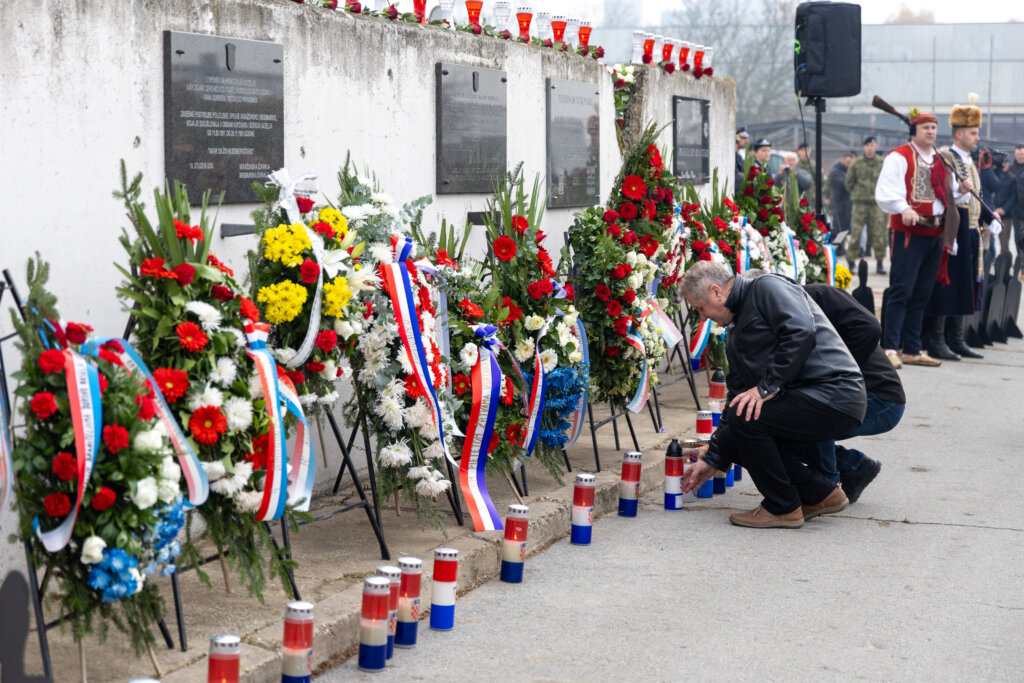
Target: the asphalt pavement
(921, 580)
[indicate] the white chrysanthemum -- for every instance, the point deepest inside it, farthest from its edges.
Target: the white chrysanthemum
(209, 317)
(229, 486)
(210, 396)
(418, 415)
(434, 451)
(225, 372)
(533, 322)
(214, 470)
(524, 350)
(249, 501)
(255, 386)
(393, 389)
(549, 358)
(418, 472)
(395, 455)
(359, 212)
(238, 412)
(307, 399)
(432, 489)
(469, 355)
(284, 355)
(428, 353)
(330, 371)
(576, 357)
(403, 361)
(328, 399)
(382, 198)
(390, 410)
(382, 253)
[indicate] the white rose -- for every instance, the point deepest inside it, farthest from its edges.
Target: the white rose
(330, 371)
(284, 355)
(92, 550)
(169, 469)
(148, 441)
(146, 493)
(570, 319)
(631, 259)
(167, 490)
(534, 322)
(576, 357)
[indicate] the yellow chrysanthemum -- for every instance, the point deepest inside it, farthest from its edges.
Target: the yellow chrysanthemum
(285, 243)
(843, 276)
(336, 297)
(284, 301)
(337, 221)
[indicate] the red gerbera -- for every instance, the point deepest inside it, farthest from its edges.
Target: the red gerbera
(116, 437)
(207, 424)
(214, 261)
(171, 383)
(51, 360)
(305, 204)
(514, 434)
(191, 336)
(327, 340)
(520, 224)
(260, 451)
(470, 309)
(505, 248)
(65, 466)
(633, 187)
(43, 405)
(57, 504)
(413, 388)
(460, 383)
(648, 245)
(309, 271)
(544, 263)
(443, 259)
(154, 267)
(249, 310)
(514, 312)
(102, 499)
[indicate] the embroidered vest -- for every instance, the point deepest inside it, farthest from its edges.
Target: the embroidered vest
(969, 202)
(925, 183)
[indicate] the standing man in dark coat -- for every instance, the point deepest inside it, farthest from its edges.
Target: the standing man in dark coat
(1010, 201)
(839, 201)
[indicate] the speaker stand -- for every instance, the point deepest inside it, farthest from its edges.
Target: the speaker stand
(819, 109)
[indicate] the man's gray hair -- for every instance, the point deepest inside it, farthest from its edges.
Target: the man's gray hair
(701, 276)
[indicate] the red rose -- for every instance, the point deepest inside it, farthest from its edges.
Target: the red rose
(57, 504)
(599, 52)
(628, 210)
(614, 230)
(77, 332)
(221, 293)
(477, 29)
(769, 182)
(804, 203)
(110, 357)
(309, 271)
(103, 384)
(614, 308)
(505, 248)
(506, 34)
(706, 256)
(65, 466)
(766, 200)
(602, 292)
(116, 437)
(305, 204)
(765, 232)
(610, 216)
(670, 68)
(102, 499)
(147, 407)
(611, 351)
(811, 248)
(698, 72)
(763, 214)
(296, 377)
(629, 297)
(647, 59)
(326, 341)
(520, 224)
(618, 272)
(391, 12)
(633, 187)
(540, 289)
(628, 237)
(620, 83)
(709, 71)
(749, 190)
(570, 292)
(184, 274)
(779, 212)
(698, 245)
(43, 405)
(622, 325)
(112, 345)
(51, 360)
(314, 366)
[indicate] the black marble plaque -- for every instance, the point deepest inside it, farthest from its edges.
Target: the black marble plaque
(691, 158)
(574, 144)
(223, 112)
(472, 129)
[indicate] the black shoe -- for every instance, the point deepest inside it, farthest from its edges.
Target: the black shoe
(963, 350)
(856, 481)
(955, 337)
(880, 269)
(941, 351)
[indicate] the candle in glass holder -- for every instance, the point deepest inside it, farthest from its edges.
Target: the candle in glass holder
(297, 644)
(572, 30)
(730, 477)
(667, 49)
(719, 483)
(524, 15)
(558, 24)
(394, 575)
(444, 586)
(447, 11)
(704, 425)
(684, 53)
(737, 473)
(225, 657)
(582, 509)
(709, 54)
(656, 49)
(543, 25)
(513, 547)
(716, 387)
(698, 56)
(473, 8)
(716, 406)
(373, 624)
(419, 8)
(691, 449)
(674, 476)
(638, 47)
(629, 484)
(502, 11)
(379, 5)
(585, 28)
(408, 601)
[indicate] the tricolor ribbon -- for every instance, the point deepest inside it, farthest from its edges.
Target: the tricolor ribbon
(399, 288)
(195, 475)
(699, 342)
(6, 465)
(443, 341)
(535, 411)
(480, 437)
(830, 264)
(636, 404)
(581, 405)
(86, 406)
(793, 258)
(303, 464)
(274, 485)
(669, 332)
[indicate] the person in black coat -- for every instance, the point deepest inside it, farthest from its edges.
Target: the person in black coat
(839, 201)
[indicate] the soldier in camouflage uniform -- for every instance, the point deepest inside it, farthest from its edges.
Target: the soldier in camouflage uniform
(860, 183)
(803, 152)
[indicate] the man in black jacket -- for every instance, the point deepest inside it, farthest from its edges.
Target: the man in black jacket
(791, 381)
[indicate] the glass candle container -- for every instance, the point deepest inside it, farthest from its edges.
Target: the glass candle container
(513, 546)
(582, 509)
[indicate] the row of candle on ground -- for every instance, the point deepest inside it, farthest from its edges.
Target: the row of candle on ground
(652, 48)
(225, 656)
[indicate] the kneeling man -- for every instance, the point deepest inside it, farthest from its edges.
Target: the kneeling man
(791, 381)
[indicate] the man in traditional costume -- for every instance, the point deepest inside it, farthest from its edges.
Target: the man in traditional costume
(944, 319)
(914, 188)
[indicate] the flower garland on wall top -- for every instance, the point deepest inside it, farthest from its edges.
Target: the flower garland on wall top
(97, 483)
(304, 277)
(194, 325)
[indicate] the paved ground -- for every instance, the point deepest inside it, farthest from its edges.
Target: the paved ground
(921, 580)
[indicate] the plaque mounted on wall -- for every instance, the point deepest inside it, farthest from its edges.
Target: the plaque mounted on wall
(574, 144)
(691, 159)
(472, 129)
(223, 113)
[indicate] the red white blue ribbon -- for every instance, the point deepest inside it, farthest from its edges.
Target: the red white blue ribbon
(669, 332)
(6, 465)
(480, 437)
(792, 249)
(86, 407)
(443, 341)
(581, 405)
(303, 462)
(274, 485)
(195, 475)
(699, 342)
(743, 253)
(636, 404)
(399, 288)
(536, 408)
(830, 264)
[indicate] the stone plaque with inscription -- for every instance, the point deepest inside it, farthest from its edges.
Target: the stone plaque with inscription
(574, 144)
(223, 113)
(691, 140)
(472, 129)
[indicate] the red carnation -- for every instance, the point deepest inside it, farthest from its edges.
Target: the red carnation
(57, 504)
(309, 271)
(633, 187)
(654, 155)
(614, 308)
(544, 263)
(749, 190)
(614, 230)
(102, 499)
(221, 293)
(326, 341)
(763, 214)
(520, 224)
(305, 204)
(215, 262)
(628, 210)
(602, 292)
(77, 332)
(147, 407)
(629, 296)
(103, 384)
(189, 232)
(314, 366)
(65, 466)
(540, 289)
(296, 377)
(112, 345)
(171, 383)
(765, 199)
(324, 228)
(769, 182)
(811, 248)
(628, 237)
(43, 405)
(207, 424)
(116, 437)
(505, 248)
(51, 360)
(184, 274)
(110, 357)
(611, 351)
(610, 216)
(698, 245)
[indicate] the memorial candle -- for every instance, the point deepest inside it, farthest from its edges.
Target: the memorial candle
(297, 651)
(585, 29)
(447, 11)
(524, 15)
(394, 575)
(473, 8)
(674, 476)
(709, 54)
(684, 53)
(558, 28)
(408, 601)
(667, 49)
(716, 388)
(444, 586)
(543, 25)
(730, 478)
(704, 425)
(582, 509)
(513, 547)
(656, 50)
(718, 487)
(737, 473)
(502, 12)
(638, 47)
(629, 484)
(648, 46)
(698, 56)
(572, 31)
(419, 8)
(224, 659)
(691, 449)
(373, 624)
(716, 406)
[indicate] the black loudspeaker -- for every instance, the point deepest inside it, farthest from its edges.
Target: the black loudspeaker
(827, 62)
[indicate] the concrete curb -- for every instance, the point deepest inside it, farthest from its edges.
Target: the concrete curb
(337, 616)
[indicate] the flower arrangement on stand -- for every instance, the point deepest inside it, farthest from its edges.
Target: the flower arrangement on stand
(97, 484)
(812, 236)
(762, 204)
(193, 324)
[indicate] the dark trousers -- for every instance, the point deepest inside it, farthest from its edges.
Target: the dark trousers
(911, 277)
(768, 448)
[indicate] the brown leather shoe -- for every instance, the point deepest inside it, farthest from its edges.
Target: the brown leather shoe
(921, 358)
(834, 502)
(759, 518)
(894, 358)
